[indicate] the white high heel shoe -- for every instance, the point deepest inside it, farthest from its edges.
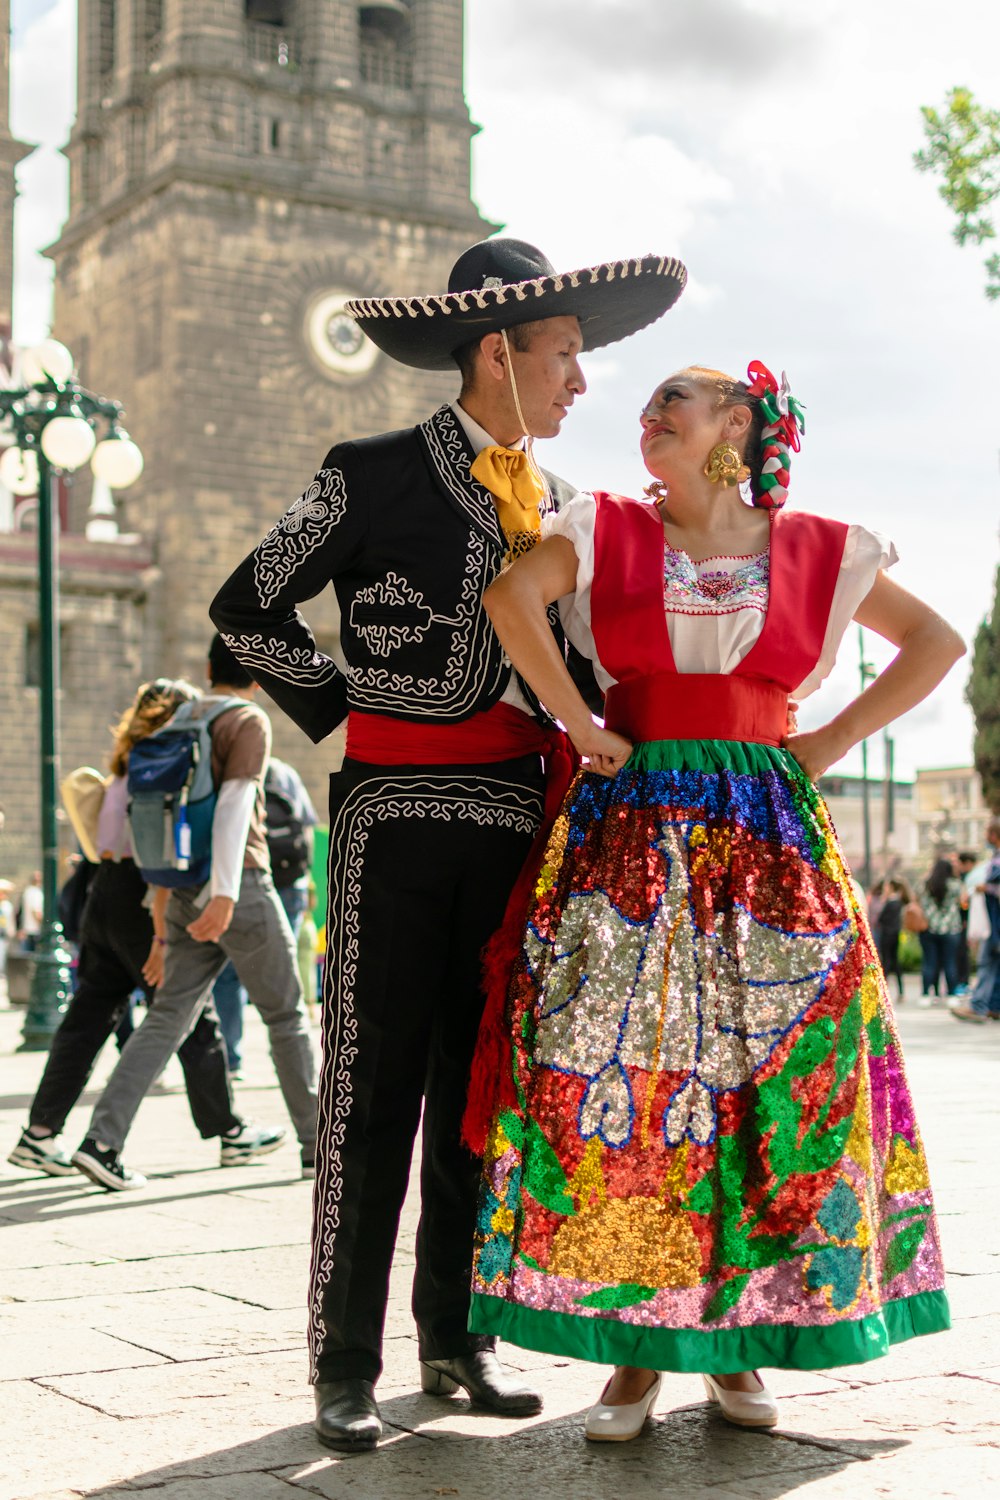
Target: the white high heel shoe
(744, 1408)
(619, 1424)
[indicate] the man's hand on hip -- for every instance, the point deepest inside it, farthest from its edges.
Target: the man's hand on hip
(214, 920)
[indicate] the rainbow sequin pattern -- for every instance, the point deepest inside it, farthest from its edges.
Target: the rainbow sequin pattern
(714, 1135)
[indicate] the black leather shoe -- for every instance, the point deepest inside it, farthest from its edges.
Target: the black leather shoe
(480, 1374)
(347, 1415)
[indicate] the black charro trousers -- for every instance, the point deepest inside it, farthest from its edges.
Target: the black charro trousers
(115, 936)
(422, 860)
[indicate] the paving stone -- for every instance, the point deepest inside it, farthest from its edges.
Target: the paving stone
(66, 1349)
(963, 1472)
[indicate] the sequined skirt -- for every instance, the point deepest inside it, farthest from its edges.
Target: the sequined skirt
(713, 1162)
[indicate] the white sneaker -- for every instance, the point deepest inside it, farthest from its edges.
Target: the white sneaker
(744, 1408)
(619, 1424)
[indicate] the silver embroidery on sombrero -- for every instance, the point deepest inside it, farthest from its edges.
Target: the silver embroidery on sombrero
(303, 528)
(495, 296)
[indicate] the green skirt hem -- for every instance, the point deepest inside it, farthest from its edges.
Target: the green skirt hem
(782, 1346)
(741, 757)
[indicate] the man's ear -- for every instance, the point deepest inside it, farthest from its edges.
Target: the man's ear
(493, 357)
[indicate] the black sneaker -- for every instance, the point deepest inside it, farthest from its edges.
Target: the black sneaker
(103, 1165)
(309, 1164)
(247, 1142)
(41, 1154)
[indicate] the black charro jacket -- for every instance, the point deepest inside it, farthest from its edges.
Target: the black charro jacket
(410, 542)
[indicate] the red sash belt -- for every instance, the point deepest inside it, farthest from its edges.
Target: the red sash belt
(698, 706)
(499, 733)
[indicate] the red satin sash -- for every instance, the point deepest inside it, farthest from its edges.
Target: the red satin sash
(698, 706)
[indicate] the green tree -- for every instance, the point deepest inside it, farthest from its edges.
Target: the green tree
(983, 694)
(963, 149)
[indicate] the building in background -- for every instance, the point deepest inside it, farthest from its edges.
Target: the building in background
(941, 811)
(238, 169)
(949, 810)
(892, 849)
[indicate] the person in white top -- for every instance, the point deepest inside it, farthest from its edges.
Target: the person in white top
(701, 1153)
(32, 910)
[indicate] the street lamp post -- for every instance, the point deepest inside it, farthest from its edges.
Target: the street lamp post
(868, 674)
(53, 421)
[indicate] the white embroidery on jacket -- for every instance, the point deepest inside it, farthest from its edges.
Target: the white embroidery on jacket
(391, 613)
(303, 528)
(474, 666)
(295, 664)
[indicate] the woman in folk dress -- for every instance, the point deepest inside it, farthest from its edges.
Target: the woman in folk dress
(703, 1154)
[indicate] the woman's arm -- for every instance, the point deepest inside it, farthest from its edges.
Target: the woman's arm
(928, 647)
(152, 969)
(516, 604)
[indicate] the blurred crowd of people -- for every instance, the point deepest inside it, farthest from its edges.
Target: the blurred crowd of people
(20, 916)
(948, 925)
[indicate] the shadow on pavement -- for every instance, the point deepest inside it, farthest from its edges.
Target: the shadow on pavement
(433, 1449)
(76, 1199)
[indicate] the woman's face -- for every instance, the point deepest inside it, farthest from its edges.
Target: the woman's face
(681, 423)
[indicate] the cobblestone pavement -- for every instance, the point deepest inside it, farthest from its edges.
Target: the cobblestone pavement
(154, 1340)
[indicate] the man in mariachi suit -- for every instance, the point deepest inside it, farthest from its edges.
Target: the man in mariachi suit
(441, 789)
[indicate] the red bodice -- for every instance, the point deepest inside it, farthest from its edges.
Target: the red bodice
(629, 624)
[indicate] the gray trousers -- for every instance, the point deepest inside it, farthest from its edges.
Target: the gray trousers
(259, 941)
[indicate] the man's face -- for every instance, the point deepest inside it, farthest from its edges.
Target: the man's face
(548, 374)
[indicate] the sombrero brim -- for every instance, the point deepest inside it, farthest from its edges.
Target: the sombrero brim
(612, 301)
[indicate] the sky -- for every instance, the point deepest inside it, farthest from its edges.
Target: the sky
(769, 145)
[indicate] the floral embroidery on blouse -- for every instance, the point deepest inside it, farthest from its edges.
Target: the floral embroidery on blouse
(714, 586)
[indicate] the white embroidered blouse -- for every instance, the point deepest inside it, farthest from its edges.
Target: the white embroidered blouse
(715, 608)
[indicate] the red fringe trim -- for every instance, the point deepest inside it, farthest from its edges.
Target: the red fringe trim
(491, 1078)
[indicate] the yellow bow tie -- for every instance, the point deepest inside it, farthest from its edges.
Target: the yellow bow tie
(517, 493)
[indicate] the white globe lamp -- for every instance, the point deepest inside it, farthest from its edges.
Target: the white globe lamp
(117, 460)
(19, 471)
(47, 361)
(68, 441)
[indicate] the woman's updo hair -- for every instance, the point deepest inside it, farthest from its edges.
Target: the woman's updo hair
(776, 422)
(152, 706)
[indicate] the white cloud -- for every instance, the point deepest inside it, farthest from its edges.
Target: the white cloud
(43, 92)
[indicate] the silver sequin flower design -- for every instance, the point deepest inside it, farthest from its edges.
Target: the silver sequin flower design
(303, 528)
(664, 995)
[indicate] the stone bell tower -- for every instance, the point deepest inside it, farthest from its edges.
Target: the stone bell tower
(238, 169)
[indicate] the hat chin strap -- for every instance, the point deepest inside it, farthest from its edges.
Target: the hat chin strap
(528, 437)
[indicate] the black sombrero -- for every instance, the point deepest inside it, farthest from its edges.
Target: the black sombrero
(498, 283)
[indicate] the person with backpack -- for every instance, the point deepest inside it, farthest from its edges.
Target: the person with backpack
(120, 952)
(289, 821)
(197, 808)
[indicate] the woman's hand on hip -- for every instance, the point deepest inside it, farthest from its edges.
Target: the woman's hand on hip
(604, 751)
(816, 750)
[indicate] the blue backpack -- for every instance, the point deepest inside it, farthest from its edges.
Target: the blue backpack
(172, 796)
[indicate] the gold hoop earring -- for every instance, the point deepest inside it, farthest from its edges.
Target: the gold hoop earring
(724, 463)
(656, 491)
